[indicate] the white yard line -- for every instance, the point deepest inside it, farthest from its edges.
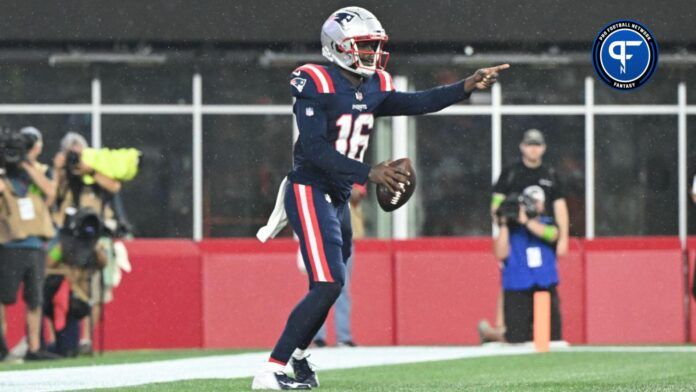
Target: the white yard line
(245, 365)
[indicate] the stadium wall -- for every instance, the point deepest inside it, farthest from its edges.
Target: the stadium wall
(412, 21)
(237, 293)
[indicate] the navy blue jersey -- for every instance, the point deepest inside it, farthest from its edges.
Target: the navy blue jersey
(336, 118)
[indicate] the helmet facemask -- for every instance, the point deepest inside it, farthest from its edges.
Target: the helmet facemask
(367, 53)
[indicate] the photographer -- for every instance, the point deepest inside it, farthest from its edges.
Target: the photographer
(526, 246)
(531, 170)
(514, 179)
(25, 225)
(78, 184)
(84, 194)
(69, 292)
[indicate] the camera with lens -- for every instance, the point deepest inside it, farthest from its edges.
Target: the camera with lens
(72, 160)
(79, 236)
(14, 147)
(510, 208)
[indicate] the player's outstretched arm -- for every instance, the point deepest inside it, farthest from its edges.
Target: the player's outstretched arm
(484, 78)
(435, 99)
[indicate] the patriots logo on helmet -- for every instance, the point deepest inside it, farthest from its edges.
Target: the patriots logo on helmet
(343, 18)
(298, 83)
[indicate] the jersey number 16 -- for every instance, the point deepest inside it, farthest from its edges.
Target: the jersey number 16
(353, 136)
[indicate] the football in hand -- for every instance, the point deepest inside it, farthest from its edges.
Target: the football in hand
(391, 201)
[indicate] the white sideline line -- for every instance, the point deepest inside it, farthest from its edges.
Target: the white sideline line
(226, 366)
(634, 349)
(245, 365)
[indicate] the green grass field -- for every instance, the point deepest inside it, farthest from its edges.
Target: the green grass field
(558, 371)
(548, 372)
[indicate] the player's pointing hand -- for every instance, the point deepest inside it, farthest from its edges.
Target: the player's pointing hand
(484, 78)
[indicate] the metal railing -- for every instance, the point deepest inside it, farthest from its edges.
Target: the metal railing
(197, 109)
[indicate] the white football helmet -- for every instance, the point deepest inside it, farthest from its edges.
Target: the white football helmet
(354, 39)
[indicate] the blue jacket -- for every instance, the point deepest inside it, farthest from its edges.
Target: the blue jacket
(531, 262)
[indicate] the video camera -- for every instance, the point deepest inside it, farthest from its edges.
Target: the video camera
(510, 208)
(14, 147)
(79, 236)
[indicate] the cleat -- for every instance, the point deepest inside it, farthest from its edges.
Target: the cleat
(41, 356)
(277, 382)
(347, 343)
(304, 372)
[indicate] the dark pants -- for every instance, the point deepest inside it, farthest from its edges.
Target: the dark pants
(20, 265)
(519, 314)
(324, 232)
(67, 339)
(325, 235)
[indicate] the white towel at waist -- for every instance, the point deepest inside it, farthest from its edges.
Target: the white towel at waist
(278, 219)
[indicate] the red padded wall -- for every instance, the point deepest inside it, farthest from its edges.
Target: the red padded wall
(571, 291)
(159, 304)
(249, 289)
(691, 246)
(372, 292)
(15, 320)
(238, 293)
(691, 301)
(444, 286)
(634, 291)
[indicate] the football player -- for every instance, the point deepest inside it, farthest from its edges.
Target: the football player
(335, 108)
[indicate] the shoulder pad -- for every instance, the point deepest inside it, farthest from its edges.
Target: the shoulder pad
(311, 79)
(385, 81)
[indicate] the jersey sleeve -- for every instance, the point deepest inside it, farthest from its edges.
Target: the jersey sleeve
(399, 103)
(316, 146)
